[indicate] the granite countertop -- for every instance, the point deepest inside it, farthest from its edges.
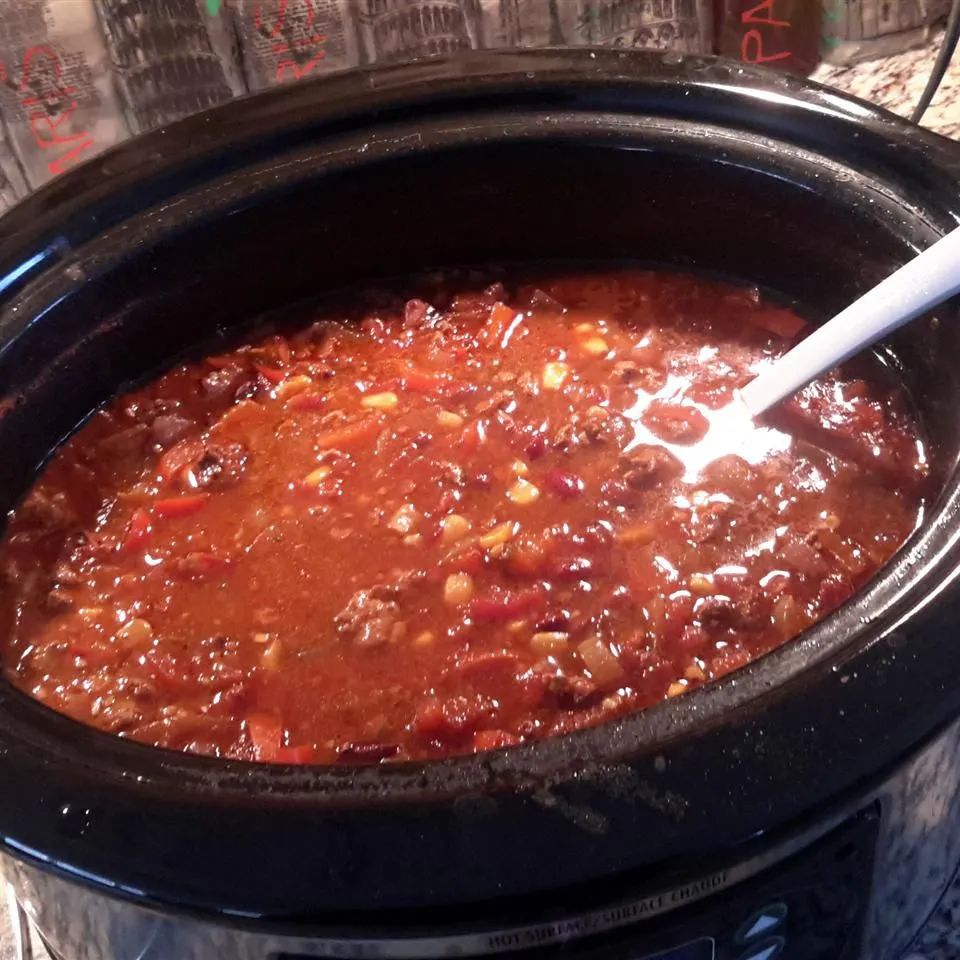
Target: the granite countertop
(896, 83)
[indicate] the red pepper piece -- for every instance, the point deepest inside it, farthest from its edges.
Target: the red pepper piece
(173, 507)
(266, 732)
(178, 456)
(308, 401)
(365, 429)
(496, 327)
(487, 664)
(270, 373)
(501, 606)
(199, 564)
(138, 531)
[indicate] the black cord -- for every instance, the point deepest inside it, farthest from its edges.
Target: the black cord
(944, 56)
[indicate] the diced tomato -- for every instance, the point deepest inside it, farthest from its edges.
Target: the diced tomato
(138, 531)
(500, 606)
(693, 638)
(272, 374)
(174, 507)
(648, 354)
(266, 732)
(834, 590)
(427, 383)
(782, 323)
(178, 456)
(678, 612)
(474, 434)
(295, 755)
(498, 323)
(167, 673)
(199, 564)
(450, 719)
(357, 432)
(92, 649)
(493, 740)
(470, 561)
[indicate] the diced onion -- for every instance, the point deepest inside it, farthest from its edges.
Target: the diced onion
(135, 632)
(604, 667)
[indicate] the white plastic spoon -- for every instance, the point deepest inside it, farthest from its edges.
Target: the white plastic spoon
(924, 282)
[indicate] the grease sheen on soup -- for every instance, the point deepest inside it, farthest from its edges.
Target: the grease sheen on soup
(407, 526)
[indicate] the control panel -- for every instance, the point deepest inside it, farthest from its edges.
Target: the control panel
(806, 906)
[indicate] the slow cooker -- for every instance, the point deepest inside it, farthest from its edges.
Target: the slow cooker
(807, 806)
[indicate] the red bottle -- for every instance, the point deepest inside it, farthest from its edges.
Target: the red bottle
(784, 34)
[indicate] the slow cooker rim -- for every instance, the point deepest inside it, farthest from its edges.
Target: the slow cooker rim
(669, 720)
(83, 197)
(174, 764)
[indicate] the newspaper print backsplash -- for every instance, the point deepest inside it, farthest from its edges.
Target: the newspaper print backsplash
(78, 76)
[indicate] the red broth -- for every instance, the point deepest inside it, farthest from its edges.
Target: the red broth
(414, 527)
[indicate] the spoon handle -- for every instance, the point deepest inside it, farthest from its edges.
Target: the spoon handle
(922, 283)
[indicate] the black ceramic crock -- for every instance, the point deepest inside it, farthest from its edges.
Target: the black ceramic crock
(549, 155)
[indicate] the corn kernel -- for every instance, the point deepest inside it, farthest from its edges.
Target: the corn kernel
(549, 642)
(458, 589)
(270, 658)
(424, 639)
(293, 386)
(694, 672)
(454, 528)
(595, 346)
(676, 688)
(316, 477)
(523, 492)
(638, 536)
(380, 401)
(405, 520)
(554, 375)
(500, 534)
(449, 420)
(519, 468)
(701, 584)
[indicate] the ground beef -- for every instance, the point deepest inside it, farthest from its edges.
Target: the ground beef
(366, 620)
(647, 466)
(221, 465)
